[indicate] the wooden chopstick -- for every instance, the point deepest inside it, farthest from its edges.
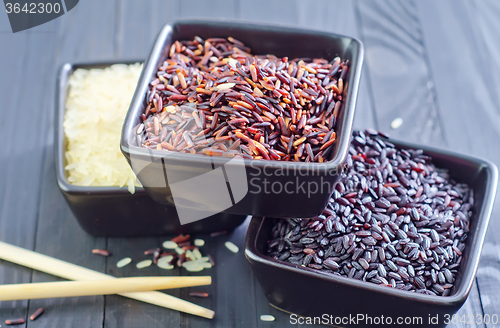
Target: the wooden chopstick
(100, 287)
(70, 271)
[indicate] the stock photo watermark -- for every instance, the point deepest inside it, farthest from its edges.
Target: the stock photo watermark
(25, 14)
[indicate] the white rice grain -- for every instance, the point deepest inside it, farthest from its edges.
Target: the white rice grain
(193, 266)
(164, 262)
(232, 247)
(123, 262)
(199, 242)
(170, 244)
(197, 254)
(267, 317)
(396, 124)
(144, 264)
(97, 102)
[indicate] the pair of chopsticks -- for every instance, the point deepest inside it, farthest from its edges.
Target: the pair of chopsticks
(90, 282)
(99, 287)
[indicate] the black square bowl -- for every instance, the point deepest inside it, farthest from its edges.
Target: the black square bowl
(311, 293)
(264, 181)
(113, 211)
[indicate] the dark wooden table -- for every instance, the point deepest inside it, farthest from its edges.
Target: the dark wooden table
(436, 64)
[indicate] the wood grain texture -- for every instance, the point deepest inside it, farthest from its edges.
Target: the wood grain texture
(78, 39)
(86, 34)
(402, 82)
(333, 16)
(209, 8)
(464, 61)
(397, 69)
(138, 25)
(60, 236)
(21, 172)
(485, 16)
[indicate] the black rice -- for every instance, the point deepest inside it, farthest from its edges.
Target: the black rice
(394, 219)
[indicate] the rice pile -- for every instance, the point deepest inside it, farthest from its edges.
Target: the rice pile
(95, 109)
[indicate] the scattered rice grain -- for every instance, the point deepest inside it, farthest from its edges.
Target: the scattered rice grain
(192, 267)
(197, 254)
(198, 294)
(123, 262)
(232, 247)
(101, 252)
(170, 244)
(396, 124)
(267, 317)
(144, 264)
(165, 262)
(36, 314)
(15, 321)
(199, 242)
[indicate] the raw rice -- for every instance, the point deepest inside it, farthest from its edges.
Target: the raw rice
(96, 105)
(196, 253)
(232, 247)
(199, 242)
(198, 294)
(193, 266)
(170, 244)
(271, 108)
(267, 317)
(144, 264)
(101, 252)
(394, 219)
(123, 262)
(397, 123)
(15, 321)
(36, 314)
(164, 262)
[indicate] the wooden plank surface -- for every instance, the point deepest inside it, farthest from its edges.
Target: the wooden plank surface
(412, 71)
(399, 76)
(58, 234)
(464, 61)
(22, 150)
(208, 9)
(402, 83)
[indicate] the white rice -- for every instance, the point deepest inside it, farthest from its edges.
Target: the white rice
(170, 244)
(164, 262)
(396, 124)
(96, 106)
(232, 247)
(123, 262)
(144, 264)
(267, 317)
(199, 242)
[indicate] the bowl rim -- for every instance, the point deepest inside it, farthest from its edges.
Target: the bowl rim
(468, 274)
(63, 74)
(149, 70)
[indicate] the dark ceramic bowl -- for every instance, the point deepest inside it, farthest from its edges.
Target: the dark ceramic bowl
(113, 211)
(308, 292)
(259, 175)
